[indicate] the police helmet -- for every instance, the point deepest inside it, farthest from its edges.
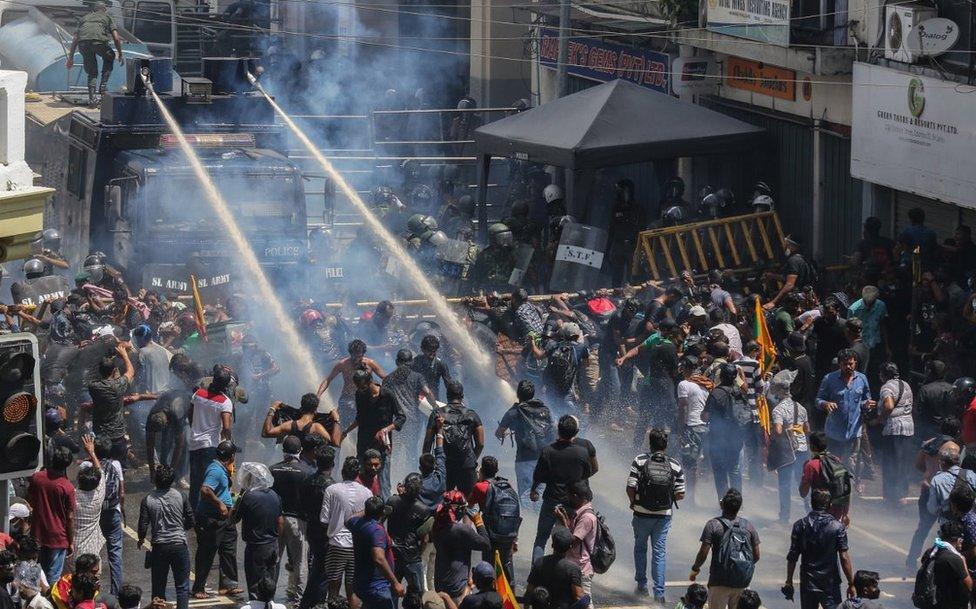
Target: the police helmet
(465, 205)
(499, 234)
(762, 188)
(415, 223)
(96, 272)
(520, 208)
(552, 193)
(762, 203)
(467, 103)
(33, 268)
(675, 188)
(51, 238)
(429, 223)
(963, 390)
(673, 215)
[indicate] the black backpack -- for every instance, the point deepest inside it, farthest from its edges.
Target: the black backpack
(655, 483)
(536, 429)
(604, 550)
(739, 411)
(561, 367)
(837, 478)
(735, 564)
(503, 512)
(925, 595)
(457, 436)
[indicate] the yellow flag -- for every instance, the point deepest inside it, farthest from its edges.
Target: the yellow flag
(767, 356)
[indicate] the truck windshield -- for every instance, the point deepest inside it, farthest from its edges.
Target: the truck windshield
(267, 203)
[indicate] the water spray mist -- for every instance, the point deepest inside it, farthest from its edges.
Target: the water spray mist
(299, 352)
(452, 325)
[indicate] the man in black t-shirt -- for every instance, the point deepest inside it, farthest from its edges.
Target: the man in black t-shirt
(259, 511)
(313, 492)
(464, 439)
(378, 415)
(289, 483)
(557, 574)
(797, 272)
(564, 462)
(408, 523)
(953, 584)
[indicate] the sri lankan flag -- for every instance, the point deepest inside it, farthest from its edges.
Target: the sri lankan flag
(198, 309)
(502, 587)
(767, 356)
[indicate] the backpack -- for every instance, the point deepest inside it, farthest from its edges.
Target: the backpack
(837, 479)
(604, 550)
(925, 595)
(735, 556)
(655, 483)
(503, 513)
(457, 437)
(561, 367)
(536, 430)
(739, 410)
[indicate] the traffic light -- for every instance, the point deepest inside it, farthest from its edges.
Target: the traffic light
(21, 430)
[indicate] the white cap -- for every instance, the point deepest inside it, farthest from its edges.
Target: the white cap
(697, 311)
(105, 330)
(18, 510)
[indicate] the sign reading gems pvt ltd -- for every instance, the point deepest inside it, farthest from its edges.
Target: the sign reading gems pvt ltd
(914, 133)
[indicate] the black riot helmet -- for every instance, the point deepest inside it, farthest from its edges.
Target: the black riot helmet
(33, 268)
(625, 190)
(51, 238)
(465, 205)
(674, 189)
(500, 235)
(963, 390)
(467, 103)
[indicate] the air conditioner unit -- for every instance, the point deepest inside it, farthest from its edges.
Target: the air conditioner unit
(900, 20)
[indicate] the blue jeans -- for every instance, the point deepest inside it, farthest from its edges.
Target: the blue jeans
(789, 482)
(523, 479)
(655, 529)
(726, 468)
(199, 460)
(52, 561)
(547, 520)
(376, 601)
(111, 524)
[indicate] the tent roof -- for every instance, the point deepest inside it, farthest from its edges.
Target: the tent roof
(615, 123)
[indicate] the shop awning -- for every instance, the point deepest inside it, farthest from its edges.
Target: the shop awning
(615, 123)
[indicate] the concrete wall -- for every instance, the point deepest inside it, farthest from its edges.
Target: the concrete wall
(500, 62)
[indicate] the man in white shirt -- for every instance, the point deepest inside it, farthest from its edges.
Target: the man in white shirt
(731, 333)
(339, 503)
(211, 418)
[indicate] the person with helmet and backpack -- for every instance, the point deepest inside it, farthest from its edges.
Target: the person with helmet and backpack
(532, 428)
(499, 504)
(823, 470)
(565, 357)
(821, 541)
(464, 438)
(734, 545)
(655, 484)
(728, 414)
(943, 581)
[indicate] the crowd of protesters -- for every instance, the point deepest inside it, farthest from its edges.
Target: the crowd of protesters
(730, 377)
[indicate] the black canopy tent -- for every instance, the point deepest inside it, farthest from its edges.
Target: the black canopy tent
(616, 123)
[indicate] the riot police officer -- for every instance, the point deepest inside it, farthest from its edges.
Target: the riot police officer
(624, 226)
(493, 266)
(34, 268)
(46, 247)
(457, 216)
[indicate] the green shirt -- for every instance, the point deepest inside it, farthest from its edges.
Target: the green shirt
(96, 26)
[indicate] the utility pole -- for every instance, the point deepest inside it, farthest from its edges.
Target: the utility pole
(562, 77)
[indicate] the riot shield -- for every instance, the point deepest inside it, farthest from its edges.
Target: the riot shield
(523, 258)
(579, 258)
(40, 289)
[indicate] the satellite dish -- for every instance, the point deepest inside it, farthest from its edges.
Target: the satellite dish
(933, 37)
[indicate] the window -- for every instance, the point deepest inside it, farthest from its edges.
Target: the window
(77, 161)
(154, 22)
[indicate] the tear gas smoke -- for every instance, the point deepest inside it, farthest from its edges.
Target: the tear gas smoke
(455, 330)
(300, 353)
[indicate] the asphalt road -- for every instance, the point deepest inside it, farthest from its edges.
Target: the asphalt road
(878, 538)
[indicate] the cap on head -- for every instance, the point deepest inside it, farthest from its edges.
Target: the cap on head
(227, 449)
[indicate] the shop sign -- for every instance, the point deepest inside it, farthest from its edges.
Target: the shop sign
(914, 133)
(605, 61)
(762, 20)
(760, 78)
(694, 75)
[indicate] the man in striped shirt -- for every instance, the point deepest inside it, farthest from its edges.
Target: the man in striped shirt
(748, 364)
(655, 484)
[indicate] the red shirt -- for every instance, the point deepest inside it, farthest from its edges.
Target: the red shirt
(373, 485)
(813, 477)
(52, 500)
(479, 493)
(969, 423)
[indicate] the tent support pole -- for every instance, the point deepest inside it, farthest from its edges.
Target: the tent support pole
(483, 168)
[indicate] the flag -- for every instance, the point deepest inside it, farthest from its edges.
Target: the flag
(198, 309)
(501, 585)
(767, 356)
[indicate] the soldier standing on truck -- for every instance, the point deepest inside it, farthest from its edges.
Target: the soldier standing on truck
(96, 32)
